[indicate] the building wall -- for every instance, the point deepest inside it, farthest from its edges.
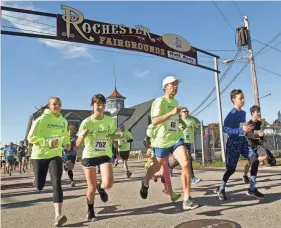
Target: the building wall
(122, 119)
(139, 133)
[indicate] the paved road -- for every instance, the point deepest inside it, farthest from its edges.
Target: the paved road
(22, 206)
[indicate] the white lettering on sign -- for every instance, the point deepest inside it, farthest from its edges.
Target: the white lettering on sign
(181, 57)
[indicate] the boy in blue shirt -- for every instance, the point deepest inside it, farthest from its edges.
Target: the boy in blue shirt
(236, 128)
(9, 153)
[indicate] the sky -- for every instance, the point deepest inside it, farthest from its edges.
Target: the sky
(32, 70)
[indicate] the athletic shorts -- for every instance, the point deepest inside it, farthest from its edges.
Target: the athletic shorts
(261, 151)
(10, 161)
(94, 162)
(234, 148)
(164, 152)
(124, 155)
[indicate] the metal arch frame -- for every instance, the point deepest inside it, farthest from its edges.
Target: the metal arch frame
(215, 57)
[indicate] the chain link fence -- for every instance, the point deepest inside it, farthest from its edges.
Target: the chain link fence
(212, 144)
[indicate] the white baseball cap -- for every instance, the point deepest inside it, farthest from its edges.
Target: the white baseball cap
(169, 79)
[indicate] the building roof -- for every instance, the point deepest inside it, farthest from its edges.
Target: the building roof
(140, 111)
(115, 94)
(123, 112)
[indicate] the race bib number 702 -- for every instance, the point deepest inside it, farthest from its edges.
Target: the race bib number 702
(100, 145)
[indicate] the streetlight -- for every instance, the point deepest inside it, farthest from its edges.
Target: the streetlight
(226, 62)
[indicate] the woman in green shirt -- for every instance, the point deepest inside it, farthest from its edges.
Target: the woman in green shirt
(49, 135)
(97, 133)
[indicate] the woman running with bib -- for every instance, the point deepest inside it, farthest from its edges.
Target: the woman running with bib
(49, 135)
(97, 133)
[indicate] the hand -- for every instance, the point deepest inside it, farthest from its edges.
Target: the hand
(176, 110)
(122, 134)
(55, 143)
(247, 128)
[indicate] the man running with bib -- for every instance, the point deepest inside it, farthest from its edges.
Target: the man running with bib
(169, 139)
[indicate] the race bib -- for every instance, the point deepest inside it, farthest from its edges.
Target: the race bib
(100, 145)
(173, 125)
(187, 136)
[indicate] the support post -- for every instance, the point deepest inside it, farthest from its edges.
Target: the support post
(219, 108)
(202, 143)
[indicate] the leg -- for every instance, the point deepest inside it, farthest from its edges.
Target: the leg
(107, 175)
(174, 164)
(70, 175)
(91, 178)
(157, 163)
(55, 169)
(182, 157)
(40, 169)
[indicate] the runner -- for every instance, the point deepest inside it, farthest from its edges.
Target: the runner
(124, 145)
(188, 128)
(236, 128)
(97, 133)
(255, 139)
(169, 139)
(3, 159)
(22, 156)
(10, 152)
(49, 135)
(70, 155)
(164, 170)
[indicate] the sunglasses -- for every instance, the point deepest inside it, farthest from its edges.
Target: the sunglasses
(185, 111)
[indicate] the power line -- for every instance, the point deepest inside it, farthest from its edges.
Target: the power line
(237, 7)
(31, 26)
(220, 80)
(267, 45)
(223, 15)
(36, 22)
(270, 48)
(268, 71)
(238, 74)
(28, 30)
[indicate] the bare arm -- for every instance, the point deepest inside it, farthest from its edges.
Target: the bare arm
(160, 119)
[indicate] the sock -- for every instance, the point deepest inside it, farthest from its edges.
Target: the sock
(90, 207)
(252, 183)
(222, 186)
(186, 198)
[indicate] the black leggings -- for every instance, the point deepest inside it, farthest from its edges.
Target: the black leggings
(40, 168)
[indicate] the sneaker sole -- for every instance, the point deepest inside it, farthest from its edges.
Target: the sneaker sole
(255, 196)
(197, 181)
(190, 208)
(62, 220)
(92, 219)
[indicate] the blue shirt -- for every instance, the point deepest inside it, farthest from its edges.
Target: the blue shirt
(9, 152)
(232, 122)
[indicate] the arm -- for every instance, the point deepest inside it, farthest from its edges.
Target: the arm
(228, 130)
(130, 139)
(66, 137)
(160, 119)
(34, 136)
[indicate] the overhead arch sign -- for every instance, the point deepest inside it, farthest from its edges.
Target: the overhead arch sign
(72, 26)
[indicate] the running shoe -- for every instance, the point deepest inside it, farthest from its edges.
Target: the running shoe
(246, 179)
(129, 174)
(91, 216)
(221, 193)
(103, 194)
(143, 191)
(175, 197)
(72, 184)
(60, 220)
(189, 204)
(196, 180)
(255, 193)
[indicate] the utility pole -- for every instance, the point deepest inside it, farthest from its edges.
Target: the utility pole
(252, 62)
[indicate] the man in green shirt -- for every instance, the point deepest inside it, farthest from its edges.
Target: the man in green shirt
(124, 147)
(169, 139)
(188, 127)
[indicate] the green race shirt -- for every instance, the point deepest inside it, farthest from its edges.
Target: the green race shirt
(123, 144)
(189, 131)
(97, 142)
(46, 128)
(167, 133)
